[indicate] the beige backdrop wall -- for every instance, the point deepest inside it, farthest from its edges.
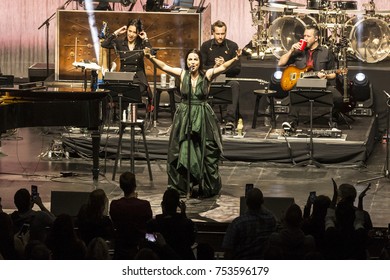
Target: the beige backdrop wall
(22, 44)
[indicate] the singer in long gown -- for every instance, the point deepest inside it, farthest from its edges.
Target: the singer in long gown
(205, 141)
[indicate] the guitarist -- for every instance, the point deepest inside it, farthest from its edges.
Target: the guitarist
(318, 58)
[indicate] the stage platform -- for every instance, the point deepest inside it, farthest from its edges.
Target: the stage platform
(261, 144)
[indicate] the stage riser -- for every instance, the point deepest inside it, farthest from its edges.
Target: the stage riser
(325, 152)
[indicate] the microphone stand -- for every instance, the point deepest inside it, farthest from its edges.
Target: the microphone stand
(154, 129)
(47, 24)
(189, 129)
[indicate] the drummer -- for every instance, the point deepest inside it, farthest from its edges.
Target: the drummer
(318, 58)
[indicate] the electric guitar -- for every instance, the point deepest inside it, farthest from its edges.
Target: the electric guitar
(262, 82)
(291, 74)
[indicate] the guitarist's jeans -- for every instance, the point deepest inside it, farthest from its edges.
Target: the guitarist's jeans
(293, 116)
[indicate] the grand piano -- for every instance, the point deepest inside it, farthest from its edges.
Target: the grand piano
(49, 106)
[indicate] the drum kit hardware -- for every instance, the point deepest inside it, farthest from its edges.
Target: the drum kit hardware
(280, 24)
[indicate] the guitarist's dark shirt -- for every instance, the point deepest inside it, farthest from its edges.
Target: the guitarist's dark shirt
(323, 59)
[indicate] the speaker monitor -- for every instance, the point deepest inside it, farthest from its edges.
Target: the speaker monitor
(65, 202)
(38, 72)
(277, 205)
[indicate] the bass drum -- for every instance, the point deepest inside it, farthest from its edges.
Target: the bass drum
(369, 38)
(286, 31)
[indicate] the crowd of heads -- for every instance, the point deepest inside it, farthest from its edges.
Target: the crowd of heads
(323, 230)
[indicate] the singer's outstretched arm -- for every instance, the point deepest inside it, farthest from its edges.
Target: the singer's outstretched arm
(174, 71)
(210, 73)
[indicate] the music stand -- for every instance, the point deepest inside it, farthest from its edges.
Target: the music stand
(315, 93)
(121, 85)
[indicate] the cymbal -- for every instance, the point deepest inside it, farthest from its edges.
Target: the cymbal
(272, 9)
(285, 3)
(382, 12)
(264, 91)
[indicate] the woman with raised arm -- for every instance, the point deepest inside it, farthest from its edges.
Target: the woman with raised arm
(206, 140)
(130, 52)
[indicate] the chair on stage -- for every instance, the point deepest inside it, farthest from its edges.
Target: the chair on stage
(270, 94)
(274, 95)
(132, 124)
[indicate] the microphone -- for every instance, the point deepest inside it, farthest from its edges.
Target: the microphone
(113, 67)
(192, 68)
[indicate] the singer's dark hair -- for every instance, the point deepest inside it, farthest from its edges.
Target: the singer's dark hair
(137, 23)
(138, 27)
(195, 51)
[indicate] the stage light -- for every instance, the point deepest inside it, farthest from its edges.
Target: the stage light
(274, 84)
(360, 78)
(361, 88)
(281, 98)
(362, 94)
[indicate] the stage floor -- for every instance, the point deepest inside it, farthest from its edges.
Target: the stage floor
(25, 161)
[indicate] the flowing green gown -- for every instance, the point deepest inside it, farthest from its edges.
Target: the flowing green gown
(205, 143)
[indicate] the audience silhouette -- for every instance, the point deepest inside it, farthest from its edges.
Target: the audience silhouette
(37, 250)
(246, 235)
(291, 239)
(98, 250)
(345, 235)
(178, 231)
(347, 194)
(38, 220)
(335, 229)
(129, 215)
(314, 223)
(92, 219)
(11, 247)
(63, 241)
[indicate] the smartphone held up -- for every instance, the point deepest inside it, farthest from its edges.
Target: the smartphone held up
(34, 192)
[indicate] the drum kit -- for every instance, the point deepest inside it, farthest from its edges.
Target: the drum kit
(280, 24)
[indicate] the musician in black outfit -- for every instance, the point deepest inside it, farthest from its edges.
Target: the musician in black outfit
(214, 53)
(130, 51)
(318, 58)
